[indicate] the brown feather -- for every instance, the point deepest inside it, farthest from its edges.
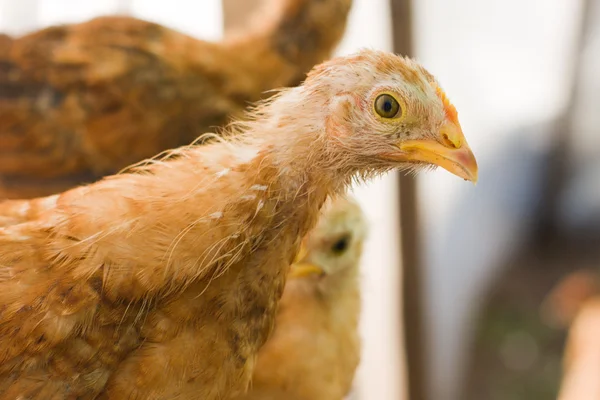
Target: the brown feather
(81, 101)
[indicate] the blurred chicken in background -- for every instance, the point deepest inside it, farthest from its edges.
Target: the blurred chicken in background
(574, 305)
(81, 101)
(315, 349)
(562, 304)
(581, 362)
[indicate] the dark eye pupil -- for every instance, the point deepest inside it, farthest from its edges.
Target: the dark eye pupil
(341, 245)
(387, 106)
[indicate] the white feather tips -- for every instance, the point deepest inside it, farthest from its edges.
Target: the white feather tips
(259, 188)
(216, 215)
(49, 201)
(246, 154)
(23, 208)
(222, 173)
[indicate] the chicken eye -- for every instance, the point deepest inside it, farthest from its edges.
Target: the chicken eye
(387, 106)
(341, 245)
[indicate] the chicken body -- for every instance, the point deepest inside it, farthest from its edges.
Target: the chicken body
(144, 286)
(315, 347)
(163, 282)
(81, 101)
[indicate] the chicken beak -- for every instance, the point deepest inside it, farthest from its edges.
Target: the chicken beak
(303, 270)
(454, 155)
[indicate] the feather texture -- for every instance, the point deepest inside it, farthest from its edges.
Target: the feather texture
(81, 101)
(163, 282)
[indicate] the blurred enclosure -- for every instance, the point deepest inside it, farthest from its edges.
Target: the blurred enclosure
(485, 257)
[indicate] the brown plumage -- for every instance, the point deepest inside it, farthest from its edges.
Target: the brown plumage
(163, 282)
(315, 348)
(78, 102)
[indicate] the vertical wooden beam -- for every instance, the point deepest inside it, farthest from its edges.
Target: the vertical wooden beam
(412, 283)
(558, 171)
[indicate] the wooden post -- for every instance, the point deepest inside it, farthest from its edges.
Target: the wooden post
(412, 284)
(548, 228)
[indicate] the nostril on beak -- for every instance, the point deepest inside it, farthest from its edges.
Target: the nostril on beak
(451, 136)
(449, 142)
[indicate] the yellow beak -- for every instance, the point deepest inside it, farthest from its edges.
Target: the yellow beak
(303, 270)
(454, 155)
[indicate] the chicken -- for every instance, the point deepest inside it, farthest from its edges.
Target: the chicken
(582, 355)
(163, 281)
(315, 349)
(78, 102)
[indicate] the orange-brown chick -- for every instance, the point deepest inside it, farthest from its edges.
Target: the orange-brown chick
(315, 348)
(81, 101)
(163, 282)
